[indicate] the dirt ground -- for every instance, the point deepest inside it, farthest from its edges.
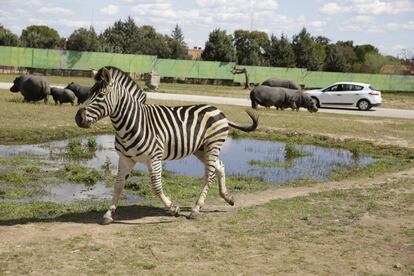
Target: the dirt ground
(247, 239)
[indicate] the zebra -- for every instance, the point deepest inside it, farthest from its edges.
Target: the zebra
(149, 134)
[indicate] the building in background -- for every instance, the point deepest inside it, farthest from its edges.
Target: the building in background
(195, 53)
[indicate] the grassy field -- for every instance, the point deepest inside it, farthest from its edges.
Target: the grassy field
(360, 222)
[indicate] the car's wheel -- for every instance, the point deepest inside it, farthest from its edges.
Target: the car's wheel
(364, 105)
(316, 101)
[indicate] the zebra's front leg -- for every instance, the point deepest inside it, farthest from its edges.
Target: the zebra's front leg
(155, 169)
(125, 166)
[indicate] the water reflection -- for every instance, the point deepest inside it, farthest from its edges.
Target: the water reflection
(236, 154)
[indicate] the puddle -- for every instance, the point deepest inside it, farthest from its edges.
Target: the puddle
(236, 154)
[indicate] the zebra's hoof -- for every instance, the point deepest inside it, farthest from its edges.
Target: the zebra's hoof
(194, 214)
(106, 220)
(230, 200)
(175, 211)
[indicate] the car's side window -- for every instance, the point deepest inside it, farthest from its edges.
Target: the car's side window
(330, 88)
(347, 87)
(355, 87)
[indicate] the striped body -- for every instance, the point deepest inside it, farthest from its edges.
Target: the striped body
(169, 133)
(149, 133)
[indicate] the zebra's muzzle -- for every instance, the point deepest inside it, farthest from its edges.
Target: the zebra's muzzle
(81, 119)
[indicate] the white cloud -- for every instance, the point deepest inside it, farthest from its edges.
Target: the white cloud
(400, 26)
(110, 10)
(368, 7)
(332, 9)
(382, 7)
(317, 24)
(54, 11)
(362, 24)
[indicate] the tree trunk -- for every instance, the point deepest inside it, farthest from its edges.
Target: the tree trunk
(246, 75)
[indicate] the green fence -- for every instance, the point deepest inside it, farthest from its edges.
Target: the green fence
(194, 69)
(73, 60)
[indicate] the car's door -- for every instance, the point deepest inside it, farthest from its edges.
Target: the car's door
(336, 95)
(355, 93)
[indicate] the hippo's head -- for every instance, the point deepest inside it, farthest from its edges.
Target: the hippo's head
(70, 86)
(309, 103)
(16, 84)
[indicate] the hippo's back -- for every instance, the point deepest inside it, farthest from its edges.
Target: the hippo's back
(281, 83)
(34, 88)
(269, 96)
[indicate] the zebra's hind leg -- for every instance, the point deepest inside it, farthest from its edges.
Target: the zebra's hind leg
(124, 168)
(219, 166)
(209, 159)
(222, 182)
(155, 169)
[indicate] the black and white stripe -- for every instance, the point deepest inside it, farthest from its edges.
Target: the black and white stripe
(150, 133)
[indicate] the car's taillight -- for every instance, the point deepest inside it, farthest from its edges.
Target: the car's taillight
(374, 93)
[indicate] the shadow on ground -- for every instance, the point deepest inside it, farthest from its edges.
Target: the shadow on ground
(123, 213)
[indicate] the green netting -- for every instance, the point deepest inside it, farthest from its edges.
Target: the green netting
(380, 81)
(193, 69)
(58, 59)
(258, 74)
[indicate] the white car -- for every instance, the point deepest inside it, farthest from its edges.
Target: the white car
(347, 94)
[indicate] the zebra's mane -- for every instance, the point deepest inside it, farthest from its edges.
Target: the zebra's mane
(141, 96)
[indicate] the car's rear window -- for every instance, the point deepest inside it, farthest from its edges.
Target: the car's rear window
(355, 87)
(373, 88)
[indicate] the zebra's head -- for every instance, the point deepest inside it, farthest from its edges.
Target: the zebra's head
(101, 101)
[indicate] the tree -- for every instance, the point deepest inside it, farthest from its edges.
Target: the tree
(120, 37)
(280, 52)
(251, 47)
(322, 40)
(7, 38)
(362, 65)
(178, 47)
(219, 47)
(83, 40)
(362, 50)
(347, 50)
(244, 71)
(307, 53)
(39, 36)
(127, 38)
(335, 60)
(152, 43)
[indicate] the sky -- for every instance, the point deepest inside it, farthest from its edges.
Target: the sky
(386, 24)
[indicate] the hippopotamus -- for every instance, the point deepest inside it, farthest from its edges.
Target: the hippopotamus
(81, 92)
(281, 83)
(281, 98)
(62, 95)
(33, 88)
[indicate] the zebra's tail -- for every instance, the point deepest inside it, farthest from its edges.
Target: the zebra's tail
(252, 127)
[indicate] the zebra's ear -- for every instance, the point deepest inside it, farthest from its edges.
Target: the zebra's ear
(94, 72)
(106, 75)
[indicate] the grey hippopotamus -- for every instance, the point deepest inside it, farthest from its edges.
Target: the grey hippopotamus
(81, 91)
(281, 98)
(33, 88)
(281, 83)
(62, 95)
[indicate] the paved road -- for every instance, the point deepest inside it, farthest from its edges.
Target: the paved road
(376, 112)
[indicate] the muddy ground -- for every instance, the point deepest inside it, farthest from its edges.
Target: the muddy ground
(356, 227)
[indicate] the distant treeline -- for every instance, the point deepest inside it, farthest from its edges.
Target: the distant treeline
(243, 47)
